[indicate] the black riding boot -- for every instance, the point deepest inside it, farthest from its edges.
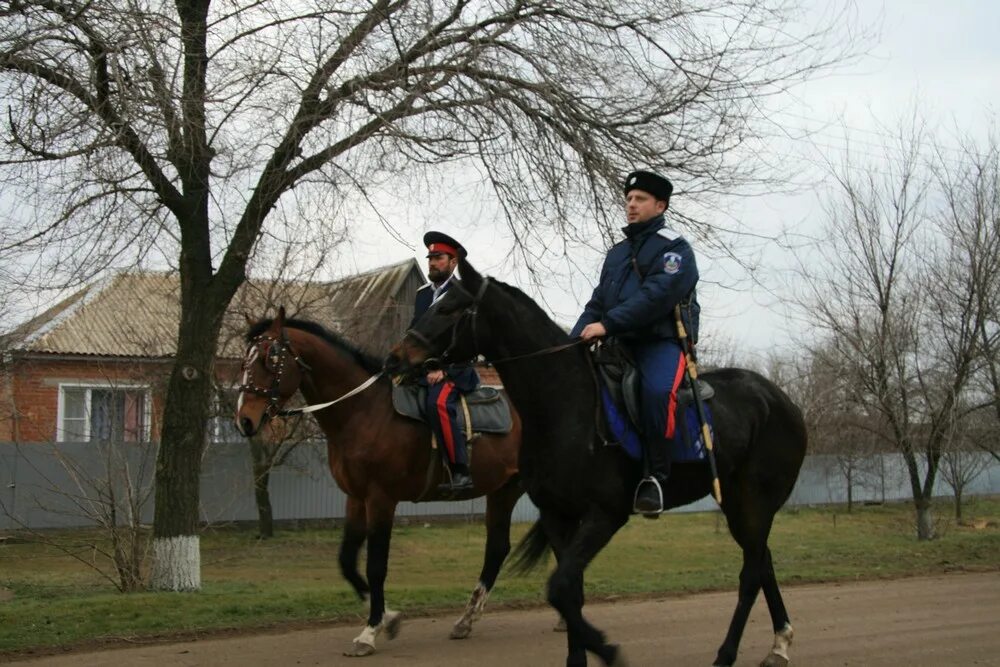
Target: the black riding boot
(650, 492)
(461, 480)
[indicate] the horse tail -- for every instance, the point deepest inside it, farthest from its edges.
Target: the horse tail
(530, 551)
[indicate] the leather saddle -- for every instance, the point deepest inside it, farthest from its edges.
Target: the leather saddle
(619, 376)
(487, 408)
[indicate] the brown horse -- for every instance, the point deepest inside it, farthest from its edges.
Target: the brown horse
(377, 457)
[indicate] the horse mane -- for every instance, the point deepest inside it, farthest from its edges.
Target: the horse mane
(523, 299)
(367, 361)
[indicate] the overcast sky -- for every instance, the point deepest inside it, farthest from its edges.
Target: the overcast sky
(943, 57)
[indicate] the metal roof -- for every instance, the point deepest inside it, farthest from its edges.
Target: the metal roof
(136, 313)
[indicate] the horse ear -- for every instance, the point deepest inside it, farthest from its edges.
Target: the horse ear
(279, 321)
(470, 277)
(250, 320)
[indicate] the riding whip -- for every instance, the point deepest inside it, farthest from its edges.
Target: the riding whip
(692, 372)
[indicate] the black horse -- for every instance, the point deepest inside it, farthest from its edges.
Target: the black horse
(584, 489)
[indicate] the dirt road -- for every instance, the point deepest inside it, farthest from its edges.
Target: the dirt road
(947, 620)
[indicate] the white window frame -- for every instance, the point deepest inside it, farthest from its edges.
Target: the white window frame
(97, 384)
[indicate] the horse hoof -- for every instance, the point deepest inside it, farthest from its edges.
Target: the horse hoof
(360, 650)
(619, 659)
(560, 626)
(774, 660)
(393, 623)
(721, 661)
(460, 630)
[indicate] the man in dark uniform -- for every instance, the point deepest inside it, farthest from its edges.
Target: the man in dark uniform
(643, 278)
(444, 385)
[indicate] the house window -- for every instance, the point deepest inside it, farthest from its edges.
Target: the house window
(92, 414)
(224, 421)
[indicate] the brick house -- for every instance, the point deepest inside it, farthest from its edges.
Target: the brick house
(95, 366)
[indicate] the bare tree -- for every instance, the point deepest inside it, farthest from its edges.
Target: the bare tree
(101, 476)
(859, 294)
(962, 461)
(902, 293)
(983, 432)
(816, 382)
(270, 448)
(965, 302)
(971, 218)
(171, 133)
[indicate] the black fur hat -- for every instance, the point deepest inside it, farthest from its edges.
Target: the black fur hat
(647, 181)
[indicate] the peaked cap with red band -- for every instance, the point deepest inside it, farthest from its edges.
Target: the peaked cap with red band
(439, 243)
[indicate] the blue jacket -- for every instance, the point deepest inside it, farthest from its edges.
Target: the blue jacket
(635, 300)
(465, 377)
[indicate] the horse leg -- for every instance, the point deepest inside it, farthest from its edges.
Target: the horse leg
(565, 588)
(380, 513)
(354, 536)
(750, 527)
(499, 507)
(778, 657)
(559, 532)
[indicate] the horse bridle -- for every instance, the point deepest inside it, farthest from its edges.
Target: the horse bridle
(273, 393)
(469, 311)
(277, 345)
(472, 310)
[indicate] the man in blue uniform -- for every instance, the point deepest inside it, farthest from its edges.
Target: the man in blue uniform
(445, 385)
(643, 278)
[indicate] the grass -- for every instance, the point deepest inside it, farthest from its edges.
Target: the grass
(55, 602)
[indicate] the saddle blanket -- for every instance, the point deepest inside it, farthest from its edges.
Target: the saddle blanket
(487, 407)
(688, 443)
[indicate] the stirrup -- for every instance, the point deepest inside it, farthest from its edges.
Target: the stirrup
(649, 514)
(459, 482)
(450, 485)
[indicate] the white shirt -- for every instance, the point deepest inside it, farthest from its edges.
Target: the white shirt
(439, 289)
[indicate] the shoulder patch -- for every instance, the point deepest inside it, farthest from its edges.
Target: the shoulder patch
(668, 234)
(672, 262)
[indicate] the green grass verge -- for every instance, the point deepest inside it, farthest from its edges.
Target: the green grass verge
(48, 600)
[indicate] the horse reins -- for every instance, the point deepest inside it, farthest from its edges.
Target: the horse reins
(538, 353)
(471, 312)
(319, 406)
(273, 392)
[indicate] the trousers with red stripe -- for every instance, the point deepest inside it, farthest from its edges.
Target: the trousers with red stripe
(442, 411)
(661, 365)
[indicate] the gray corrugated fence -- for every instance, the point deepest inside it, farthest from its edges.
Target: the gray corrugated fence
(68, 484)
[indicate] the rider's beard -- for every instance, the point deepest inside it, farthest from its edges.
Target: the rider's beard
(437, 276)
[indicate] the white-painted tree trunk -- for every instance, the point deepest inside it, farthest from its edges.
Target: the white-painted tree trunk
(176, 563)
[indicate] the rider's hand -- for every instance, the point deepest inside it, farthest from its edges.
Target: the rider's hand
(434, 377)
(593, 330)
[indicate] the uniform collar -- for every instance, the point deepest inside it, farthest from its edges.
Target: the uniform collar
(639, 229)
(438, 290)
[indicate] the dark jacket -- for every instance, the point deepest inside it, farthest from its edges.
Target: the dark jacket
(423, 300)
(635, 300)
(464, 376)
